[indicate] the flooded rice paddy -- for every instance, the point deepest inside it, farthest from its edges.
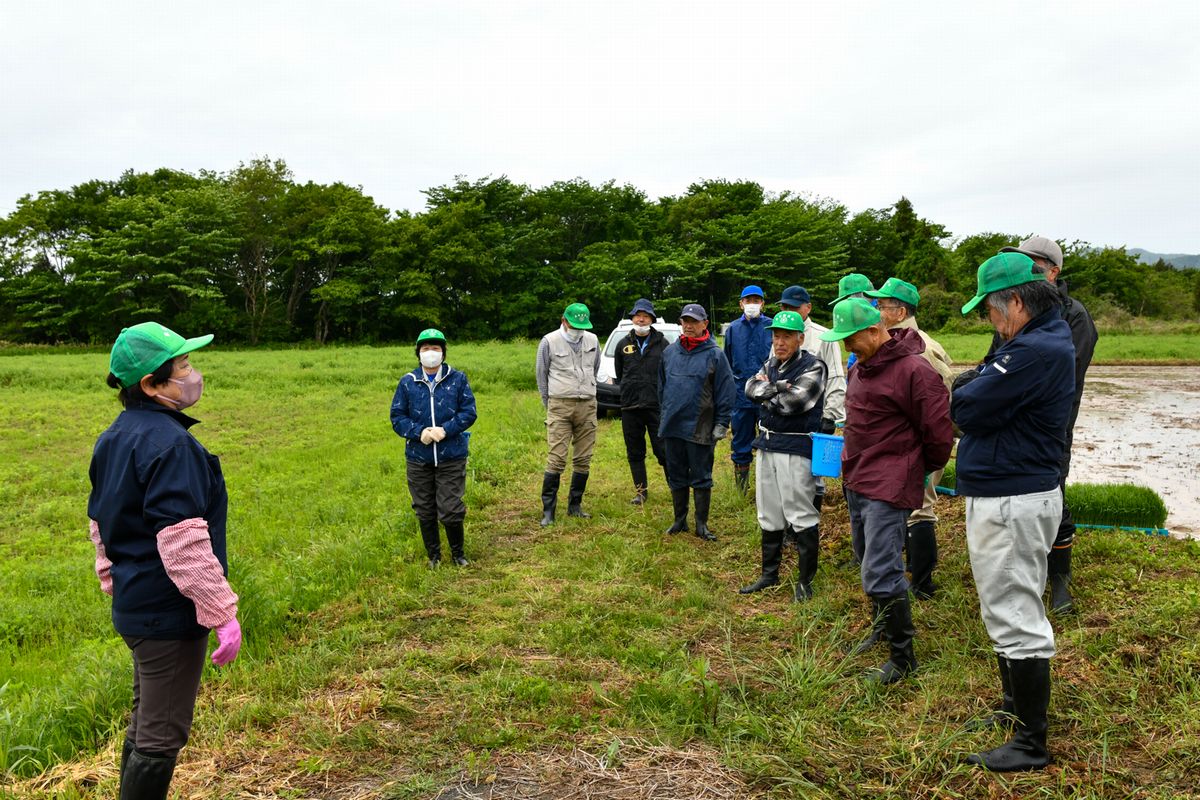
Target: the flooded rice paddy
(1142, 425)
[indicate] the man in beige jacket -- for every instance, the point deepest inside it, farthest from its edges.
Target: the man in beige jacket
(898, 301)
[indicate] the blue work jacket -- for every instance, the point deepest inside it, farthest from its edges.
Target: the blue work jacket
(445, 402)
(747, 346)
(695, 392)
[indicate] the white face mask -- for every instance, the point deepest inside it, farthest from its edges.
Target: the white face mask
(641, 330)
(431, 359)
(572, 334)
(752, 310)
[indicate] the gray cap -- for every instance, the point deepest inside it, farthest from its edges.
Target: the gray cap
(695, 311)
(1038, 247)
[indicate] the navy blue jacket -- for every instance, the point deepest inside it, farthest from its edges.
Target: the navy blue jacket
(445, 403)
(785, 418)
(747, 346)
(149, 473)
(1014, 415)
(695, 391)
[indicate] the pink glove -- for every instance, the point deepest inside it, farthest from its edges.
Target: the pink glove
(229, 639)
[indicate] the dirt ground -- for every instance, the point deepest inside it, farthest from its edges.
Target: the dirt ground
(1142, 425)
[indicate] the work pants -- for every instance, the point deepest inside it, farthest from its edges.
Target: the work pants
(688, 463)
(783, 491)
(570, 421)
(166, 680)
(877, 533)
(437, 492)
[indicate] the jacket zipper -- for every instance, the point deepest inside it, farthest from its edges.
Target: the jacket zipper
(433, 417)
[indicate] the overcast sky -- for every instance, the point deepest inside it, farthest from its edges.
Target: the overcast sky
(1076, 120)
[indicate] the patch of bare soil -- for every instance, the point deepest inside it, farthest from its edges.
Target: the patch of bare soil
(632, 771)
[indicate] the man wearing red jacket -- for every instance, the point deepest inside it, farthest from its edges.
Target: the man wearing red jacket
(897, 431)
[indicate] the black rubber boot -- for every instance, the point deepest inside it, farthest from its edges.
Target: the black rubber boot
(679, 499)
(638, 471)
(922, 554)
(790, 538)
(1001, 717)
(1058, 567)
(1026, 749)
(772, 554)
(550, 482)
(454, 535)
(432, 540)
(741, 476)
(876, 634)
(703, 498)
(126, 749)
(818, 500)
(575, 498)
(808, 545)
(898, 629)
(146, 777)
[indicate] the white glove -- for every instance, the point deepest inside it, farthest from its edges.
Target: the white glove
(437, 434)
(427, 436)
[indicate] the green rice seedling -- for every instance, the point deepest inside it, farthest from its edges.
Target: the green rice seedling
(1116, 504)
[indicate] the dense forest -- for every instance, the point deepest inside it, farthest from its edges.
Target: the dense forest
(256, 257)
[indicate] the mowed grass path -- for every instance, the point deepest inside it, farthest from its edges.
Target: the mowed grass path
(366, 675)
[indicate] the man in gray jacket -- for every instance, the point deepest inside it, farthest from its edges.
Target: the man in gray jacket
(567, 361)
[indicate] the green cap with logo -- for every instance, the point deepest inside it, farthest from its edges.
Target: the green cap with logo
(145, 347)
(851, 316)
(578, 316)
(853, 283)
(787, 321)
(431, 335)
(1002, 271)
(897, 289)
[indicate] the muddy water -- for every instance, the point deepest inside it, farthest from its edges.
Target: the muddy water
(1142, 425)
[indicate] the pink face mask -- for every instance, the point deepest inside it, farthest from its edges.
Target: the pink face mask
(191, 387)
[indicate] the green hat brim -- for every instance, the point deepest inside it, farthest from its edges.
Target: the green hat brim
(586, 326)
(974, 301)
(837, 336)
(193, 344)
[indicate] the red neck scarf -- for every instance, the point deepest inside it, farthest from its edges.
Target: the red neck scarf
(690, 344)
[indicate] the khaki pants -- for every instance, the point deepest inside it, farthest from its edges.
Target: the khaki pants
(925, 513)
(570, 421)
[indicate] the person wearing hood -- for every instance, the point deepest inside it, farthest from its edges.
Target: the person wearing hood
(1013, 413)
(158, 510)
(747, 345)
(568, 359)
(897, 302)
(635, 366)
(898, 431)
(789, 391)
(431, 410)
(695, 398)
(1048, 257)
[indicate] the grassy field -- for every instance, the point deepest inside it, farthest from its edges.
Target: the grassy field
(1116, 348)
(598, 651)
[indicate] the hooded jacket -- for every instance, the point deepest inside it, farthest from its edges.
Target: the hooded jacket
(446, 403)
(695, 391)
(636, 368)
(1014, 414)
(897, 423)
(747, 346)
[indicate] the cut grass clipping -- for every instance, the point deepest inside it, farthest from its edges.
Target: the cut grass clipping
(1119, 504)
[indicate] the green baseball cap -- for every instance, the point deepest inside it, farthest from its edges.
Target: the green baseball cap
(853, 283)
(578, 316)
(145, 347)
(1002, 271)
(787, 321)
(897, 289)
(431, 335)
(849, 317)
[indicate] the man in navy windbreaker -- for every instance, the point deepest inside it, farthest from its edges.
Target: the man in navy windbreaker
(1013, 412)
(747, 346)
(695, 398)
(432, 409)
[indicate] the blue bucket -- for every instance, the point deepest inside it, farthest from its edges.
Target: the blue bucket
(827, 455)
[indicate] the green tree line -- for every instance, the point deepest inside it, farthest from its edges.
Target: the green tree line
(255, 256)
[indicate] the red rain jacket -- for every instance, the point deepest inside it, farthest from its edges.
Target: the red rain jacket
(897, 423)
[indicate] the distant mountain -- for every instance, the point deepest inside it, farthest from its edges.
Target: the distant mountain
(1177, 260)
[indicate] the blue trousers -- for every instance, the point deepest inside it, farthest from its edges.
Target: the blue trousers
(742, 425)
(688, 463)
(877, 533)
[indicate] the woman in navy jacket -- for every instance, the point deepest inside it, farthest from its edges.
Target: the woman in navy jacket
(432, 409)
(158, 510)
